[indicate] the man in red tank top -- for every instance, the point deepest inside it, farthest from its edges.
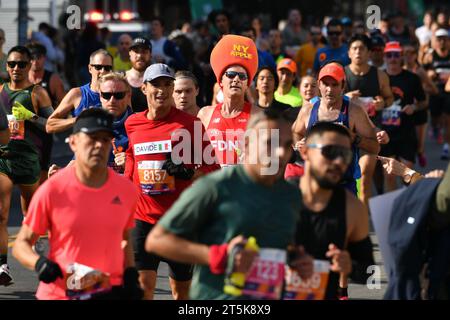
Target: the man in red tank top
(234, 61)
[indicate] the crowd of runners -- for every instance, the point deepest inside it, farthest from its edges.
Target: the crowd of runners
(245, 160)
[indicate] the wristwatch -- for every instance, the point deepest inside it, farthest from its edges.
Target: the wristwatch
(408, 176)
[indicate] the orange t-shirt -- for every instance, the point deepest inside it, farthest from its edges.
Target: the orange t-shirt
(305, 58)
(85, 225)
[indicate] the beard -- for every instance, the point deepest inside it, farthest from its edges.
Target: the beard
(323, 182)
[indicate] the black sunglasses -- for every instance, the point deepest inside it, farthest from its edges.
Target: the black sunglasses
(332, 152)
(233, 74)
(21, 64)
(99, 67)
(393, 55)
(117, 95)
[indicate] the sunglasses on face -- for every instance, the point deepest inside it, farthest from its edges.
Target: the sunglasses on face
(116, 95)
(233, 74)
(390, 55)
(99, 67)
(332, 152)
(13, 64)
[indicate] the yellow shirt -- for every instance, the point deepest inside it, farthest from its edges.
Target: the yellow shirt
(292, 98)
(305, 57)
(120, 65)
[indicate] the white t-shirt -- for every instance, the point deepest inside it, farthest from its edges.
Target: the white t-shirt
(424, 35)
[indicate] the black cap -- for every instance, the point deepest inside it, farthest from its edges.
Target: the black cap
(94, 120)
(377, 41)
(141, 42)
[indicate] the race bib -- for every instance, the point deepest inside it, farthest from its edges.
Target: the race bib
(16, 128)
(153, 179)
(83, 282)
(313, 288)
(266, 275)
(392, 116)
(368, 105)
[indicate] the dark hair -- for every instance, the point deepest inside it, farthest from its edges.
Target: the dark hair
(213, 15)
(272, 71)
(360, 37)
(334, 23)
(20, 49)
(160, 20)
(36, 48)
(187, 74)
(319, 128)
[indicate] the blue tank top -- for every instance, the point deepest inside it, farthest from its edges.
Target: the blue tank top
(89, 99)
(353, 171)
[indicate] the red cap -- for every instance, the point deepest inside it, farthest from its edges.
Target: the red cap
(393, 46)
(332, 70)
(234, 50)
(289, 64)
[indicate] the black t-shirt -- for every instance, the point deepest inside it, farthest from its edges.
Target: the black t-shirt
(407, 89)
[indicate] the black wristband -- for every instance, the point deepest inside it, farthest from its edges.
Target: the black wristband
(47, 270)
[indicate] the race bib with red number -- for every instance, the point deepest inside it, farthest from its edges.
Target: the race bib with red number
(16, 128)
(392, 116)
(153, 179)
(266, 275)
(311, 289)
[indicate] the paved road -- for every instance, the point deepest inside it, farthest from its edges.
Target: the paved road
(26, 283)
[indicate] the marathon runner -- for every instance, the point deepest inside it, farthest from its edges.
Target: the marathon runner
(28, 106)
(333, 107)
(140, 57)
(437, 63)
(333, 224)
(54, 86)
(185, 92)
(286, 91)
(398, 119)
(308, 88)
(75, 209)
(81, 98)
(234, 61)
(216, 214)
(154, 147)
(421, 116)
(369, 86)
(115, 94)
(266, 84)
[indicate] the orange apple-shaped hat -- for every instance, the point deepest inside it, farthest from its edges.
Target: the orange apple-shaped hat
(234, 50)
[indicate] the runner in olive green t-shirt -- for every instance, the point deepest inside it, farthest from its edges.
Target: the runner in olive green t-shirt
(236, 201)
(27, 107)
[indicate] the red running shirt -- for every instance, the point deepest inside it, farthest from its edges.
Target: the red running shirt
(150, 143)
(226, 134)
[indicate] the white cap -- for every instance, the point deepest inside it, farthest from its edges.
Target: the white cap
(441, 33)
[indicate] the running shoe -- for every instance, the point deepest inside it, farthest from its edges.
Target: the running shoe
(5, 276)
(422, 160)
(445, 154)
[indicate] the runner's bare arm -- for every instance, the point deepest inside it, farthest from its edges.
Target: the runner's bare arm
(129, 163)
(57, 88)
(362, 127)
(22, 249)
(300, 124)
(205, 115)
(428, 85)
(57, 122)
(385, 88)
(357, 219)
(163, 242)
(447, 85)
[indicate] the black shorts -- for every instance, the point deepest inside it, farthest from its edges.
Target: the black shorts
(149, 261)
(420, 117)
(439, 103)
(405, 148)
